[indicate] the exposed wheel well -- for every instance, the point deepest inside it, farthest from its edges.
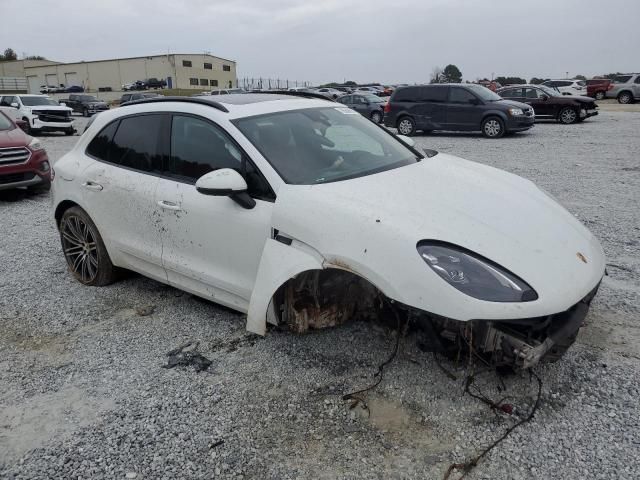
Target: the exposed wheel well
(317, 299)
(63, 207)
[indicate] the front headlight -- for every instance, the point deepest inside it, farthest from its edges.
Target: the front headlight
(516, 112)
(35, 145)
(474, 275)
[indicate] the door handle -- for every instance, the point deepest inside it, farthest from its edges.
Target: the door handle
(169, 205)
(93, 186)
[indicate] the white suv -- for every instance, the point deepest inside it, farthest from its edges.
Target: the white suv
(568, 87)
(41, 113)
(302, 211)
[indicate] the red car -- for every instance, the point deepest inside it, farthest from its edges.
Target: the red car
(23, 160)
(597, 87)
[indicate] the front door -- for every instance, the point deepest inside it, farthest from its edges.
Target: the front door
(542, 103)
(462, 109)
(212, 246)
(119, 189)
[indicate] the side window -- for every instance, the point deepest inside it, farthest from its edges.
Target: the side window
(197, 147)
(531, 93)
(136, 143)
(637, 79)
(436, 93)
(101, 143)
(407, 94)
(511, 93)
(7, 101)
(461, 95)
(564, 84)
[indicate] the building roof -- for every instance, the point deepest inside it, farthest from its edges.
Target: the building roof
(129, 58)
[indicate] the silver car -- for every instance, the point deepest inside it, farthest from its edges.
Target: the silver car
(626, 88)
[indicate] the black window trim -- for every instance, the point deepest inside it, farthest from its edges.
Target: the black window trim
(167, 143)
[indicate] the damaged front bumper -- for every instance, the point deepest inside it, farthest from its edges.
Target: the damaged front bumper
(520, 343)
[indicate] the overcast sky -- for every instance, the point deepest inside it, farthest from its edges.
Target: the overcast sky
(333, 40)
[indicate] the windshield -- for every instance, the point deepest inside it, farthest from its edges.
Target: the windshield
(321, 145)
(35, 101)
(549, 91)
(5, 124)
(484, 93)
(88, 98)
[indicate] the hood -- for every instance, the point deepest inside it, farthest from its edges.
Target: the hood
(14, 138)
(376, 221)
(51, 108)
(511, 104)
(580, 98)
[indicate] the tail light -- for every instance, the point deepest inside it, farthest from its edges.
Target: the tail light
(387, 107)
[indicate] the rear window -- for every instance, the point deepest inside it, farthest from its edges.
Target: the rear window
(582, 83)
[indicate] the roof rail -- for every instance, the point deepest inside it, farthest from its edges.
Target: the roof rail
(198, 100)
(294, 94)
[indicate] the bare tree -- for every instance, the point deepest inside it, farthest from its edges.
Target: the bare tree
(436, 75)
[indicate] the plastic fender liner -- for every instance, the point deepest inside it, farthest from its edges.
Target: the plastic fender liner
(278, 264)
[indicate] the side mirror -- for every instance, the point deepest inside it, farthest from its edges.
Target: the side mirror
(15, 105)
(408, 140)
(226, 182)
(62, 104)
(544, 98)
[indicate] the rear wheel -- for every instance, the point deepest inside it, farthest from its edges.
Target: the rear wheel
(85, 112)
(406, 126)
(84, 249)
(599, 95)
(625, 97)
(492, 127)
(376, 117)
(69, 131)
(568, 115)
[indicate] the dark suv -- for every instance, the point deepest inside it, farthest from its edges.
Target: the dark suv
(455, 107)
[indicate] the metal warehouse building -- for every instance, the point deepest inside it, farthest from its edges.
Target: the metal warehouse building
(187, 71)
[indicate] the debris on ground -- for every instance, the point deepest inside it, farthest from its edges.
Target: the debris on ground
(186, 355)
(145, 310)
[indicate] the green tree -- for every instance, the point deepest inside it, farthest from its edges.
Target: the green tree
(9, 54)
(580, 77)
(452, 74)
(537, 81)
(34, 57)
(510, 80)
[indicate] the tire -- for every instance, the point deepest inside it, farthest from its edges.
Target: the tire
(29, 130)
(376, 117)
(406, 126)
(69, 131)
(85, 112)
(599, 95)
(568, 115)
(625, 98)
(84, 250)
(492, 127)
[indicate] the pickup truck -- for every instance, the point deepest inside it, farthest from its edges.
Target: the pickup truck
(85, 104)
(155, 83)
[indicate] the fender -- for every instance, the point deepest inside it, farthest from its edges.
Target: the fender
(278, 264)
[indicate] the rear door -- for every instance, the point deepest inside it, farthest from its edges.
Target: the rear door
(463, 111)
(430, 107)
(119, 188)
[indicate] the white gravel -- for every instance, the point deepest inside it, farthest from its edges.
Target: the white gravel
(83, 394)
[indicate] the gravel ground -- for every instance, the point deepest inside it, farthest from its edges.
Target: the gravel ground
(83, 394)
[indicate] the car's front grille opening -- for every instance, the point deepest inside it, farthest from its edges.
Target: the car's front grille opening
(14, 155)
(52, 115)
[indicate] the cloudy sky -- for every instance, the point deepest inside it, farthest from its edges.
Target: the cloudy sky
(333, 40)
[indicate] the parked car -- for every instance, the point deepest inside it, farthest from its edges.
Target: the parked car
(371, 106)
(227, 91)
(137, 85)
(154, 83)
(626, 88)
(41, 113)
(363, 222)
(598, 87)
(300, 89)
(455, 107)
(568, 87)
(48, 89)
(548, 103)
(85, 104)
(345, 90)
(329, 92)
(74, 89)
(23, 160)
(130, 97)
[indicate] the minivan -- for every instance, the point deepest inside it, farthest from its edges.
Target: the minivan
(455, 107)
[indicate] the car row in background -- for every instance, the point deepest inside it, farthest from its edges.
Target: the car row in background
(368, 105)
(455, 107)
(568, 86)
(131, 97)
(40, 112)
(145, 84)
(61, 89)
(549, 104)
(23, 160)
